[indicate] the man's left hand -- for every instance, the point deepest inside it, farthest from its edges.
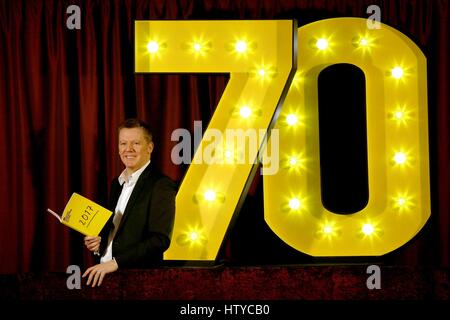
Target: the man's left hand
(97, 273)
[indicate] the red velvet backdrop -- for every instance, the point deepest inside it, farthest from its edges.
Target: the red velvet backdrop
(63, 93)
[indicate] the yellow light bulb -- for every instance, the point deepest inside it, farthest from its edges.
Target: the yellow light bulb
(293, 161)
(264, 71)
(228, 154)
(209, 195)
(322, 44)
(291, 119)
(401, 202)
(327, 229)
(368, 229)
(197, 47)
(245, 112)
(400, 158)
(364, 43)
(152, 46)
(294, 204)
(401, 115)
(398, 115)
(397, 72)
(241, 46)
(193, 236)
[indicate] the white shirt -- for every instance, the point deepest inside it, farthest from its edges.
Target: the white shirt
(128, 183)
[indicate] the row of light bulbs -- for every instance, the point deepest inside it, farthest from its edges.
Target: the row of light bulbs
(400, 115)
(295, 204)
(328, 230)
(243, 46)
(199, 47)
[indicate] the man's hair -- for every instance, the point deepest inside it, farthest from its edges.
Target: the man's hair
(136, 123)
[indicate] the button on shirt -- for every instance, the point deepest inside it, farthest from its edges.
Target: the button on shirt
(128, 183)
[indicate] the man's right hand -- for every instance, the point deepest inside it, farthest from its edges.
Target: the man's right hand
(92, 243)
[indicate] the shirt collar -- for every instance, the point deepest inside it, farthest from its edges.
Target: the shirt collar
(131, 179)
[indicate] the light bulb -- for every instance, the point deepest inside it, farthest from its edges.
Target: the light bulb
(322, 44)
(400, 158)
(397, 72)
(197, 47)
(363, 42)
(193, 236)
(367, 229)
(327, 229)
(245, 112)
(291, 119)
(293, 161)
(152, 46)
(209, 195)
(398, 115)
(241, 46)
(294, 204)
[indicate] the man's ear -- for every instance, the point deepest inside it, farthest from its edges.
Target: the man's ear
(150, 147)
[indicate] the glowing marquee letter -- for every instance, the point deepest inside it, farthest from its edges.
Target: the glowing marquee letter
(397, 142)
(260, 57)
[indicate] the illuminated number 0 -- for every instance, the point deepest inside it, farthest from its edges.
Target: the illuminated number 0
(397, 142)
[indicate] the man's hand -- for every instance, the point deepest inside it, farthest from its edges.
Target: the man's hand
(92, 243)
(97, 273)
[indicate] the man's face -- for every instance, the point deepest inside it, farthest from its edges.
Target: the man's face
(134, 149)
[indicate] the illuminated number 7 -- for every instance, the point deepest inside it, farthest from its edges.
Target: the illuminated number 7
(260, 57)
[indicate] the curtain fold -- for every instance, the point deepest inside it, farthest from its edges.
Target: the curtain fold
(63, 92)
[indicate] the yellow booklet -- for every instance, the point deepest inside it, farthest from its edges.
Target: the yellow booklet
(83, 215)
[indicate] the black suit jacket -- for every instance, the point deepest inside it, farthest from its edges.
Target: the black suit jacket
(146, 227)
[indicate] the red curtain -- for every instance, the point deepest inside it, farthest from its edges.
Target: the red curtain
(63, 93)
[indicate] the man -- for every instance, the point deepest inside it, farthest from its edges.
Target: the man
(143, 201)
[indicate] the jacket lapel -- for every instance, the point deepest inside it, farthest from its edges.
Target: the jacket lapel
(134, 196)
(116, 190)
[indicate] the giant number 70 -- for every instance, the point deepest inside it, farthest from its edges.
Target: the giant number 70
(266, 91)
